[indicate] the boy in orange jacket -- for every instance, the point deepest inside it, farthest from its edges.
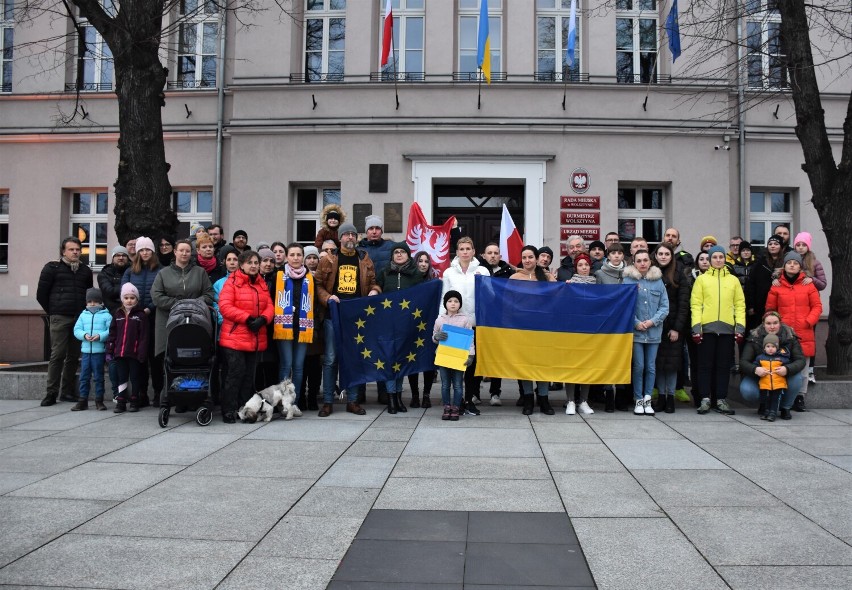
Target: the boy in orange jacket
(772, 385)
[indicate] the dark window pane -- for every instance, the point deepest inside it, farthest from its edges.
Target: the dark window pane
(188, 39)
(648, 65)
(81, 204)
(186, 68)
(208, 70)
(336, 34)
(183, 201)
(337, 4)
(100, 255)
(652, 198)
(4, 204)
(313, 34)
(757, 202)
(647, 4)
(306, 230)
(627, 198)
(624, 4)
(306, 199)
(205, 202)
(652, 230)
(624, 33)
(80, 231)
(101, 233)
(315, 4)
(4, 255)
(626, 229)
(755, 71)
(4, 233)
(780, 202)
(757, 231)
(102, 204)
(624, 68)
(648, 34)
(546, 33)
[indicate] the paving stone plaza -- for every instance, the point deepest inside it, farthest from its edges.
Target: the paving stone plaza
(613, 501)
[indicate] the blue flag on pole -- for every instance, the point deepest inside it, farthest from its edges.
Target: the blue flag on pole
(673, 32)
(572, 36)
(483, 43)
(386, 336)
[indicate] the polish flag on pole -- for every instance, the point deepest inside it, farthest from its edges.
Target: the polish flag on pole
(510, 240)
(387, 34)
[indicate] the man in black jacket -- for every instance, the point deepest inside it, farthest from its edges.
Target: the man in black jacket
(62, 294)
(109, 279)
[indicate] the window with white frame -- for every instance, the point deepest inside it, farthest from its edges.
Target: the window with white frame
(767, 210)
(7, 42)
(325, 40)
(469, 38)
(636, 41)
(89, 212)
(406, 59)
(192, 206)
(4, 230)
(309, 202)
(765, 52)
(95, 61)
(641, 212)
(553, 18)
(198, 34)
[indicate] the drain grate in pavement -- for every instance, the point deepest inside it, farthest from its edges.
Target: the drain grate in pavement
(453, 550)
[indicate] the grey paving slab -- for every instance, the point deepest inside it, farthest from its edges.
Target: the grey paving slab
(171, 448)
(407, 420)
(387, 434)
(376, 448)
(517, 564)
(799, 419)
(613, 547)
(371, 560)
(728, 431)
(415, 525)
(702, 487)
(17, 405)
(198, 507)
(822, 446)
(314, 537)
(217, 426)
(260, 573)
(471, 468)
(476, 442)
(346, 502)
(515, 528)
(488, 419)
(765, 536)
(795, 431)
(774, 453)
(11, 438)
(68, 420)
(106, 562)
(11, 419)
(532, 495)
(842, 461)
(270, 458)
(662, 454)
(604, 494)
(319, 429)
(786, 577)
(99, 481)
(358, 472)
(564, 431)
(843, 415)
(141, 425)
(640, 427)
(28, 523)
(12, 481)
(347, 585)
(52, 454)
(687, 413)
(580, 457)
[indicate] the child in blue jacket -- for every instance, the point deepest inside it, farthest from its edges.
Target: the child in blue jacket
(92, 329)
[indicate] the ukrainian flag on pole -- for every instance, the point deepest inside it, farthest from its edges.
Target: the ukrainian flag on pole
(483, 46)
(570, 333)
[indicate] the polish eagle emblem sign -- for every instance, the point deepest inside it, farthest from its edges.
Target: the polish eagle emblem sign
(580, 180)
(432, 239)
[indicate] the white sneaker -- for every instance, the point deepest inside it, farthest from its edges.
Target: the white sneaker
(476, 399)
(585, 409)
(811, 376)
(649, 409)
(639, 410)
(571, 409)
(495, 400)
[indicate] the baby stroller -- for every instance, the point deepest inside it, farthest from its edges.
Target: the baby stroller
(190, 360)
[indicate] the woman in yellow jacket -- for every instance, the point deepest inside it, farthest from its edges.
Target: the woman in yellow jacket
(718, 320)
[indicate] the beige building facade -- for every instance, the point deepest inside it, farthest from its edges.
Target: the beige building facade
(308, 117)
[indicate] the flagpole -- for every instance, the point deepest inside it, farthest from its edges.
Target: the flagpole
(395, 86)
(479, 91)
(564, 86)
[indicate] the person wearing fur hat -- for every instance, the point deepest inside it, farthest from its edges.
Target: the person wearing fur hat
(718, 321)
(652, 308)
(800, 307)
(452, 316)
(401, 273)
(331, 217)
(766, 267)
(109, 279)
(61, 293)
(141, 275)
(127, 349)
(375, 245)
(92, 330)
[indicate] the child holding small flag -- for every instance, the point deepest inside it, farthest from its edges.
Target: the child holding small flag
(452, 317)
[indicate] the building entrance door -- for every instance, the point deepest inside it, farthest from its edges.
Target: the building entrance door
(479, 209)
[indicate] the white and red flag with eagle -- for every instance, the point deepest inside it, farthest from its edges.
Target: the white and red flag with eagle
(387, 33)
(433, 239)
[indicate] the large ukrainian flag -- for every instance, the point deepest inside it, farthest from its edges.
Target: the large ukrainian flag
(554, 331)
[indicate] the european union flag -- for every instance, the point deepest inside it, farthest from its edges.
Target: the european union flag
(673, 32)
(386, 336)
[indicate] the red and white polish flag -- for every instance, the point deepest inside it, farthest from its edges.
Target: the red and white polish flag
(387, 33)
(510, 240)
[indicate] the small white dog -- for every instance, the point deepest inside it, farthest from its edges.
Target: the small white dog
(262, 403)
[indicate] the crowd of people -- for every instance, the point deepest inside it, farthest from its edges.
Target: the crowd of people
(697, 318)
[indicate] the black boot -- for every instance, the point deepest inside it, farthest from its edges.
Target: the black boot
(670, 404)
(529, 405)
(799, 404)
(609, 401)
(391, 404)
(82, 404)
(312, 402)
(399, 405)
(48, 400)
(785, 414)
(521, 401)
(621, 397)
(544, 406)
(415, 399)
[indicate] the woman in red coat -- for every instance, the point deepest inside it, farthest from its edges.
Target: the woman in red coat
(800, 308)
(246, 309)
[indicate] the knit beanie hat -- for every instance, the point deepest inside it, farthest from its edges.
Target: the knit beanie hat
(265, 253)
(94, 294)
(802, 236)
(774, 238)
(240, 232)
(129, 288)
(745, 245)
(373, 221)
(771, 339)
(311, 251)
(582, 256)
(793, 255)
(193, 229)
(545, 250)
(597, 244)
(707, 239)
(449, 294)
(119, 250)
(143, 243)
(346, 228)
(719, 249)
(401, 246)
